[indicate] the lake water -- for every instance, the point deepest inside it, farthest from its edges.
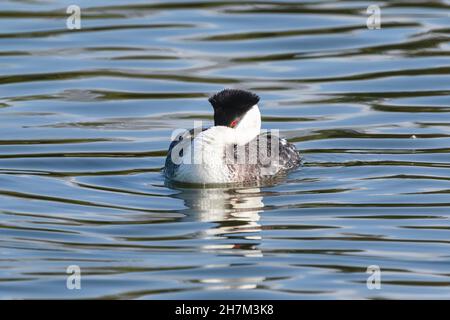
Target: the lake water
(86, 118)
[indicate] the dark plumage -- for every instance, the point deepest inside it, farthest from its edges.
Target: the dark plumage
(231, 104)
(284, 159)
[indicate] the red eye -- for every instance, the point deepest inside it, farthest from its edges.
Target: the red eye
(233, 123)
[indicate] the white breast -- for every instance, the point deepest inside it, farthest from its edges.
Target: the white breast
(204, 159)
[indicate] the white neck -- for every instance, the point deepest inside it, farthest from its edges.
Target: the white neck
(249, 127)
(213, 140)
(209, 145)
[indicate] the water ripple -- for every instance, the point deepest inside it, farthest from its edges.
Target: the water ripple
(86, 117)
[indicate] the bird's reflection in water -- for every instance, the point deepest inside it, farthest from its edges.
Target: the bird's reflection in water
(234, 213)
(234, 229)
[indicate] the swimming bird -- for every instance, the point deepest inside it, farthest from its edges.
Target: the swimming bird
(233, 150)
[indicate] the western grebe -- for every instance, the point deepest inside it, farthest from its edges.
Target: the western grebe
(233, 150)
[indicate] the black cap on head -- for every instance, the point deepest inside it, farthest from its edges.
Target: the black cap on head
(231, 104)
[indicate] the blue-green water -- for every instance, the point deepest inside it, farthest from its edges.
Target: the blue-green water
(86, 118)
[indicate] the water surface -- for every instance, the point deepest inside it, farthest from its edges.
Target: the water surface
(86, 117)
